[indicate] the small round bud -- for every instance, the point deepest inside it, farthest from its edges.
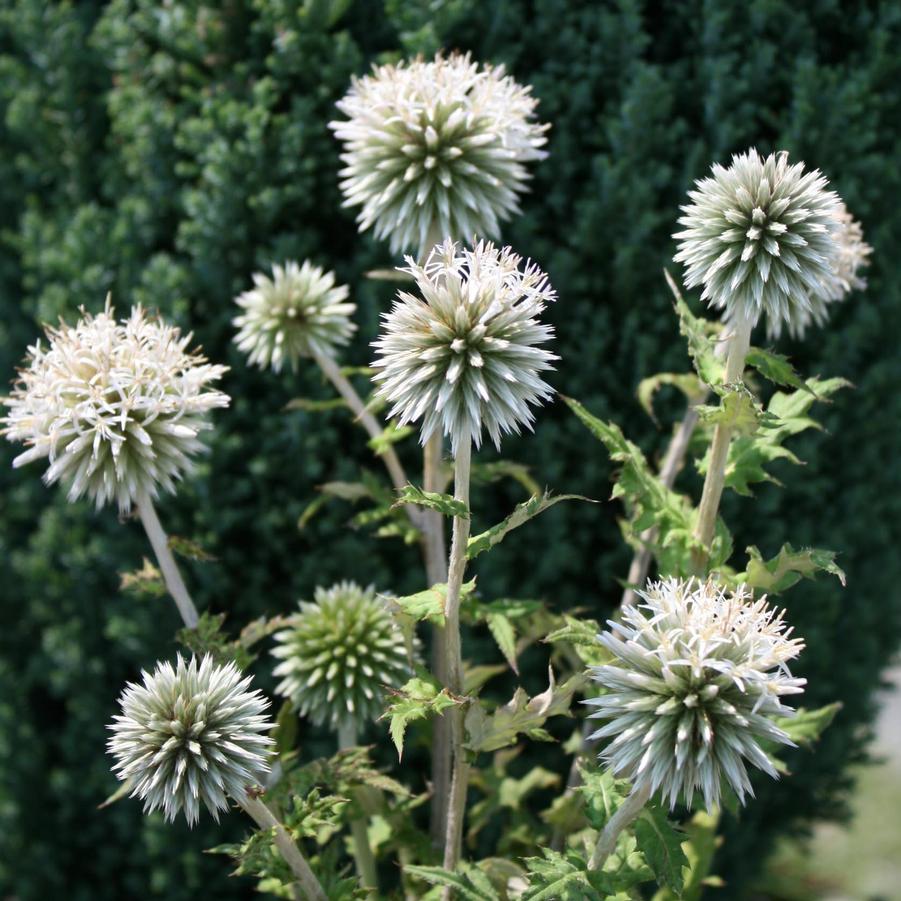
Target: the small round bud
(338, 654)
(299, 312)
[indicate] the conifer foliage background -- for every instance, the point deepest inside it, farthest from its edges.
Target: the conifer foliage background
(163, 151)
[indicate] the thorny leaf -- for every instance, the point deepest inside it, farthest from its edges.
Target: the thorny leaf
(420, 697)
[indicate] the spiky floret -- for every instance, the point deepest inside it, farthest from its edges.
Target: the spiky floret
(338, 654)
(851, 255)
(465, 355)
(117, 407)
(760, 237)
(696, 680)
(299, 312)
(436, 147)
(190, 734)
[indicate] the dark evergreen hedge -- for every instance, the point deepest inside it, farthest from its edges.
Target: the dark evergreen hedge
(164, 151)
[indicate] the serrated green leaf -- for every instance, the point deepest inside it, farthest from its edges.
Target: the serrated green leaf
(661, 846)
(470, 882)
(388, 437)
(558, 877)
(737, 410)
(503, 633)
(487, 473)
(602, 793)
(147, 580)
(522, 514)
(648, 501)
(786, 417)
(428, 604)
(806, 726)
(442, 503)
(787, 568)
(520, 715)
(687, 382)
(189, 549)
(701, 337)
(420, 697)
(583, 635)
(775, 368)
(700, 844)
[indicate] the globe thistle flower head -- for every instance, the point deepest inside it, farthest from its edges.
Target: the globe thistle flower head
(465, 354)
(338, 655)
(190, 734)
(760, 238)
(436, 147)
(850, 256)
(697, 677)
(298, 312)
(116, 407)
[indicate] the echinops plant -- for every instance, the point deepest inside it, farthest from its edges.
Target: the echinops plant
(687, 689)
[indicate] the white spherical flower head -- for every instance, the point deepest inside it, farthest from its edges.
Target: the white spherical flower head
(116, 407)
(466, 354)
(298, 312)
(760, 238)
(436, 147)
(190, 734)
(851, 255)
(697, 677)
(338, 654)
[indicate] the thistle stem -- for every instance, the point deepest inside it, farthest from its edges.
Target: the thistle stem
(171, 574)
(310, 887)
(738, 343)
(363, 856)
(342, 384)
(669, 469)
(434, 548)
(456, 806)
(626, 814)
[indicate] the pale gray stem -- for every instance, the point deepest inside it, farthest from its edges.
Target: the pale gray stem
(365, 861)
(456, 806)
(169, 568)
(737, 348)
(309, 886)
(624, 816)
(332, 372)
(435, 554)
(434, 550)
(672, 464)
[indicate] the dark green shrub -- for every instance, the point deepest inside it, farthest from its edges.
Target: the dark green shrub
(164, 151)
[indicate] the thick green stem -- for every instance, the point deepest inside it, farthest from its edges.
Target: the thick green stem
(365, 861)
(169, 568)
(738, 343)
(628, 812)
(456, 806)
(309, 885)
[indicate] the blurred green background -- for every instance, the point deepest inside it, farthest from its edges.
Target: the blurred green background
(164, 151)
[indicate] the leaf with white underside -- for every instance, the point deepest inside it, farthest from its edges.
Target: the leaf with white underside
(520, 715)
